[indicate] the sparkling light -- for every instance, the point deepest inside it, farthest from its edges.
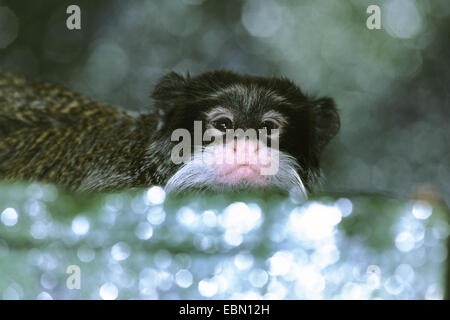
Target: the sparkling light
(314, 221)
(120, 251)
(144, 231)
(209, 218)
(187, 217)
(373, 281)
(80, 225)
(163, 259)
(207, 288)
(404, 241)
(394, 285)
(85, 254)
(258, 278)
(233, 238)
(40, 229)
(109, 291)
(280, 263)
(165, 280)
(184, 278)
(345, 206)
(9, 217)
(156, 195)
(276, 290)
(434, 292)
(241, 218)
(49, 280)
(406, 273)
(355, 291)
(243, 260)
(44, 296)
(148, 280)
(422, 210)
(311, 280)
(156, 215)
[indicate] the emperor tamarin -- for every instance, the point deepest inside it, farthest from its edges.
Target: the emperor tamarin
(51, 134)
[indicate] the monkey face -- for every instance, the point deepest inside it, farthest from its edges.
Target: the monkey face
(248, 132)
(242, 154)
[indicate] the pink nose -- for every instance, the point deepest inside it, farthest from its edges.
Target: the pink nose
(240, 161)
(246, 149)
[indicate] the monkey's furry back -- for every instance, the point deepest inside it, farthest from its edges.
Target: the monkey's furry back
(49, 133)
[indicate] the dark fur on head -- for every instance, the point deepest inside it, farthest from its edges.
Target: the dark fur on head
(312, 123)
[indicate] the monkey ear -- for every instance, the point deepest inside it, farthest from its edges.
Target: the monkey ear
(326, 122)
(169, 88)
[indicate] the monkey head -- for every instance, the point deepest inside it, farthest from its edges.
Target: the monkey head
(242, 132)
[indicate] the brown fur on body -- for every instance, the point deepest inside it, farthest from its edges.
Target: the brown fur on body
(51, 134)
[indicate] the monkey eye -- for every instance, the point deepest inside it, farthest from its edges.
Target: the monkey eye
(222, 124)
(269, 125)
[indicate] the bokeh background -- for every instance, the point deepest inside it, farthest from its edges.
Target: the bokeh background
(391, 87)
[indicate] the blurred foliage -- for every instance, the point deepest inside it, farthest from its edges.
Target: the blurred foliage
(138, 244)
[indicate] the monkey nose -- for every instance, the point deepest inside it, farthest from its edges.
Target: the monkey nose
(245, 146)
